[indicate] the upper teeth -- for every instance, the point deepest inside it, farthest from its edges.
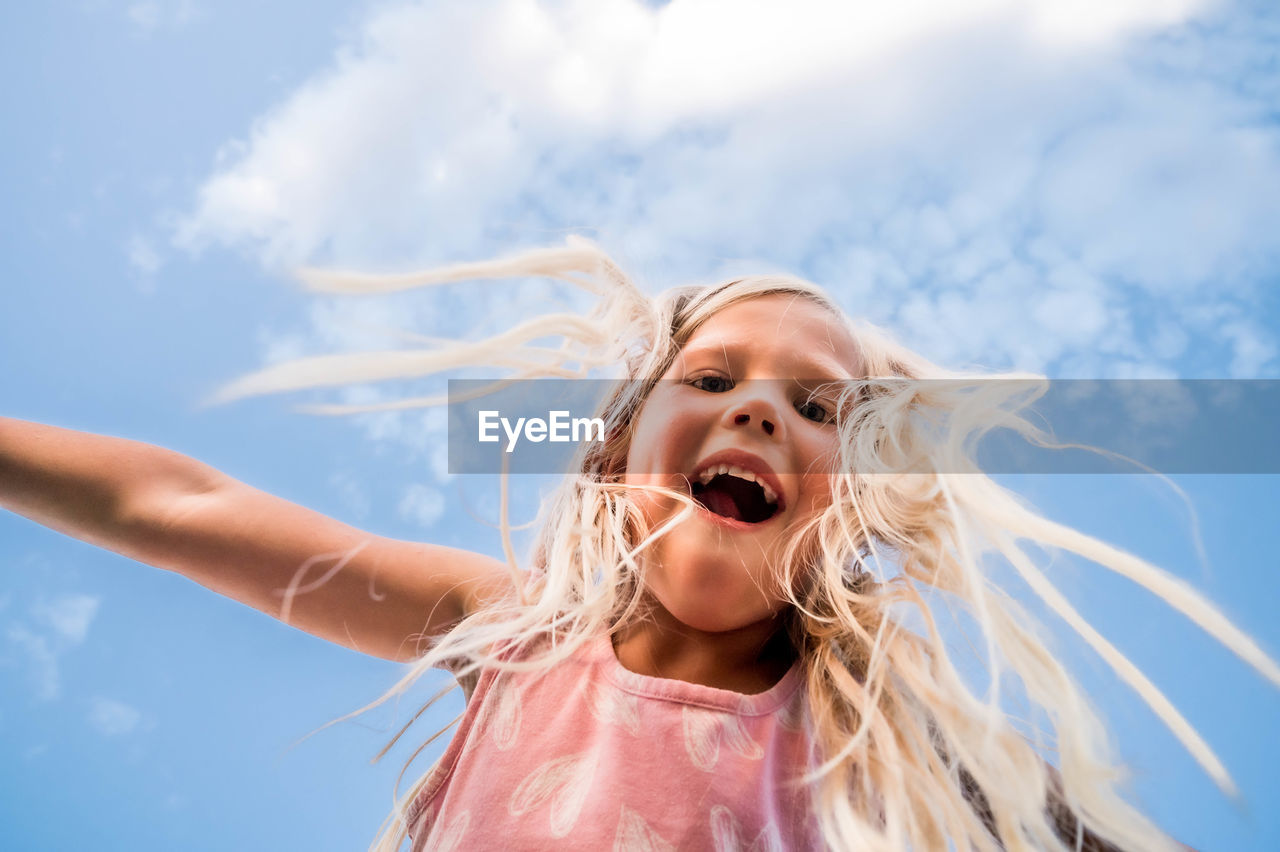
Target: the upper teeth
(715, 470)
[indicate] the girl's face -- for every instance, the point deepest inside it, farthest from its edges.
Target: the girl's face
(742, 423)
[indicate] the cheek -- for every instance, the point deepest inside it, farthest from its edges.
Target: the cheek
(644, 456)
(819, 488)
(654, 507)
(816, 498)
(662, 452)
(822, 460)
(824, 449)
(668, 432)
(644, 476)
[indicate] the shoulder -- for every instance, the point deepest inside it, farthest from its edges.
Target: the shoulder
(499, 660)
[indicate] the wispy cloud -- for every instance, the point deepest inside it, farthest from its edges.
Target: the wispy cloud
(148, 16)
(40, 659)
(1086, 192)
(69, 616)
(145, 16)
(352, 495)
(54, 627)
(112, 718)
(421, 505)
(143, 256)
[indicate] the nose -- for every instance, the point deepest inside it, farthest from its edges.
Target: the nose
(755, 411)
(744, 419)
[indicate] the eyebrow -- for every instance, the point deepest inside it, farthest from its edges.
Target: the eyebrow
(822, 368)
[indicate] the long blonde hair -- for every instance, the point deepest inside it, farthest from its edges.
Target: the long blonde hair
(907, 754)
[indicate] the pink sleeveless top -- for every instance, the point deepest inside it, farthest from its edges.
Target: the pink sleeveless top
(589, 755)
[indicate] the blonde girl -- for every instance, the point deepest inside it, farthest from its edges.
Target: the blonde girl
(726, 634)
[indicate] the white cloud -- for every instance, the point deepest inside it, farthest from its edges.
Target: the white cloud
(351, 493)
(1040, 187)
(421, 504)
(41, 659)
(70, 615)
(440, 462)
(1068, 21)
(145, 16)
(1252, 348)
(148, 16)
(414, 435)
(112, 718)
(143, 257)
(56, 626)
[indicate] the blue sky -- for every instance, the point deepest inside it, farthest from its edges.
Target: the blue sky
(1084, 190)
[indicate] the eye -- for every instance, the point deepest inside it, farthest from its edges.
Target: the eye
(712, 384)
(815, 411)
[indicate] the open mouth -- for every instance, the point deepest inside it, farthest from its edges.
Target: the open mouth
(735, 493)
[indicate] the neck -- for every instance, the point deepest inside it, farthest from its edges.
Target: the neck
(748, 660)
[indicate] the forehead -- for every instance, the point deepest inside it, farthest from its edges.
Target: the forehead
(791, 327)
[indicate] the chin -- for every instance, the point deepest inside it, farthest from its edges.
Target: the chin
(712, 615)
(713, 622)
(711, 594)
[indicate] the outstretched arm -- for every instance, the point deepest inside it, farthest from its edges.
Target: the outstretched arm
(379, 595)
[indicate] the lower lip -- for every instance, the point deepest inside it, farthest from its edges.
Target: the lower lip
(730, 523)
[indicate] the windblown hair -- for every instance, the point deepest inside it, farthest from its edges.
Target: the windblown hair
(906, 753)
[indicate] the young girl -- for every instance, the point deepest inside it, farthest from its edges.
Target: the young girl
(725, 637)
